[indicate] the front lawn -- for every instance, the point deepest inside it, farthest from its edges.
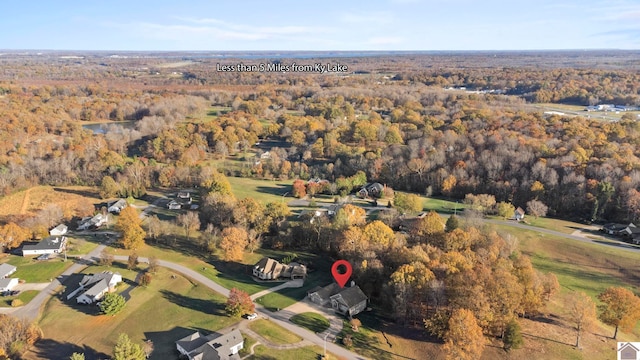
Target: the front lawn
(34, 271)
(312, 321)
(24, 296)
(273, 332)
(302, 353)
(169, 309)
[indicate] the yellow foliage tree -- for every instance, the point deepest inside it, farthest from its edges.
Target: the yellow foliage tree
(129, 224)
(234, 241)
(464, 339)
(379, 234)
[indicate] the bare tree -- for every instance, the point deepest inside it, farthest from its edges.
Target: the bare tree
(190, 222)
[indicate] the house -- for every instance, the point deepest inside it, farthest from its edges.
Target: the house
(59, 230)
(48, 245)
(183, 195)
(265, 155)
(94, 222)
(518, 214)
(371, 190)
(630, 231)
(174, 205)
(628, 352)
(7, 270)
(350, 301)
(294, 271)
(117, 206)
(211, 347)
(8, 284)
(267, 269)
(322, 295)
(614, 229)
(100, 284)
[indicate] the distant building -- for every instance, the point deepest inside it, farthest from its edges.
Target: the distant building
(211, 347)
(117, 206)
(59, 230)
(270, 269)
(49, 245)
(371, 190)
(518, 214)
(94, 222)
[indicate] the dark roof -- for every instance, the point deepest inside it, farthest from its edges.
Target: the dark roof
(213, 346)
(327, 291)
(268, 265)
(351, 296)
(48, 243)
(615, 227)
(192, 342)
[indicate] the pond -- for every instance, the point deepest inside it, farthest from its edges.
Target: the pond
(103, 128)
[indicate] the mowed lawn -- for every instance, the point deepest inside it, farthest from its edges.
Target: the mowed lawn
(34, 271)
(165, 311)
(264, 191)
(274, 332)
(303, 353)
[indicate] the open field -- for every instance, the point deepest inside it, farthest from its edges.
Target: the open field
(35, 271)
(273, 332)
(29, 201)
(262, 190)
(82, 244)
(165, 311)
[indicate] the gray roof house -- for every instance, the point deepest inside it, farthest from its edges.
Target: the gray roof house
(48, 245)
(100, 284)
(59, 230)
(267, 269)
(322, 295)
(350, 301)
(211, 347)
(117, 206)
(7, 270)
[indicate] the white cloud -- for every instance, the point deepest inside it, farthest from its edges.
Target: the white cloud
(385, 40)
(371, 18)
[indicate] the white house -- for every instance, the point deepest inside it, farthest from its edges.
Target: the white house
(117, 206)
(59, 230)
(6, 270)
(94, 222)
(211, 347)
(518, 214)
(8, 284)
(174, 205)
(100, 284)
(49, 245)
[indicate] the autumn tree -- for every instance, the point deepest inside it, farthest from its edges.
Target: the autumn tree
(106, 259)
(234, 241)
(12, 235)
(505, 210)
(512, 338)
(16, 336)
(537, 208)
(190, 222)
(378, 234)
(77, 356)
(112, 303)
(125, 349)
(410, 283)
(239, 303)
(582, 313)
(407, 203)
(129, 224)
(132, 261)
(108, 187)
(481, 202)
(620, 308)
(154, 263)
(453, 222)
(349, 215)
(428, 229)
(299, 190)
(277, 213)
(463, 339)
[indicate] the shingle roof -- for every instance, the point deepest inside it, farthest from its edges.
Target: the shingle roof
(6, 270)
(48, 243)
(351, 296)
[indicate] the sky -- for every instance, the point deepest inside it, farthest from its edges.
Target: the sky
(405, 25)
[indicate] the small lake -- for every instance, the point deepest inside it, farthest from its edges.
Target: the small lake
(103, 128)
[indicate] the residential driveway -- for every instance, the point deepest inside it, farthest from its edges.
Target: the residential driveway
(289, 284)
(32, 286)
(335, 321)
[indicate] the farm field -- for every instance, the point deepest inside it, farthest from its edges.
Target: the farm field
(28, 202)
(165, 311)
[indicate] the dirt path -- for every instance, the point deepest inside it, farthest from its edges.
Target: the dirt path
(25, 202)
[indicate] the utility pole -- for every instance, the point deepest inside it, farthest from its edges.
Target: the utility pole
(325, 346)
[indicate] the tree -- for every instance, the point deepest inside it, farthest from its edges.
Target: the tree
(407, 203)
(620, 308)
(125, 349)
(355, 324)
(132, 261)
(12, 235)
(537, 208)
(582, 313)
(378, 234)
(190, 222)
(481, 202)
(106, 259)
(108, 187)
(77, 356)
(464, 339)
(234, 241)
(153, 264)
(112, 303)
(453, 222)
(428, 229)
(129, 224)
(505, 209)
(16, 336)
(299, 189)
(512, 336)
(239, 303)
(145, 279)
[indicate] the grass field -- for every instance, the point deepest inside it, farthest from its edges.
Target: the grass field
(312, 321)
(24, 296)
(29, 201)
(165, 311)
(80, 245)
(303, 353)
(34, 271)
(262, 190)
(273, 332)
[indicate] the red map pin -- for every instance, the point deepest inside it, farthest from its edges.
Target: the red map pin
(341, 277)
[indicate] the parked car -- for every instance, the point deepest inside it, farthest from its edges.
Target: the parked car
(14, 292)
(252, 316)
